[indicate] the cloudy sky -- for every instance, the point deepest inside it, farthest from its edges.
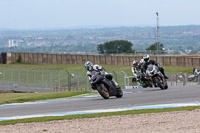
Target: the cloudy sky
(34, 14)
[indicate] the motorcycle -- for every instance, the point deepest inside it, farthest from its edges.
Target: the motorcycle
(155, 77)
(104, 85)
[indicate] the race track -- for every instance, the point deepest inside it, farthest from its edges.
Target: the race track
(131, 98)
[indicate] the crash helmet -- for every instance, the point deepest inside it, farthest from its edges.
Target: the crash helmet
(135, 63)
(146, 57)
(88, 65)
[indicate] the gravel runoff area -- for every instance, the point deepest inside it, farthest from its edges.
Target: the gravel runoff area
(169, 122)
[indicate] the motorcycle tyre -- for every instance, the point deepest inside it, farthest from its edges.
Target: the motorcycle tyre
(103, 91)
(119, 93)
(166, 86)
(157, 81)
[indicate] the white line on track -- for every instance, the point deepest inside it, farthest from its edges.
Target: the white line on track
(49, 101)
(84, 96)
(159, 106)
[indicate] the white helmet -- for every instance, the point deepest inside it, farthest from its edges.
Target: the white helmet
(146, 57)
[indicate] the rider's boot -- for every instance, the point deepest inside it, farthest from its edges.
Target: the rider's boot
(166, 77)
(163, 72)
(115, 84)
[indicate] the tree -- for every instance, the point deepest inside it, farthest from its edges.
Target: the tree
(115, 47)
(155, 46)
(19, 58)
(100, 48)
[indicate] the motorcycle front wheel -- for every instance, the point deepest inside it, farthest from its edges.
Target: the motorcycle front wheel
(103, 91)
(166, 86)
(157, 81)
(119, 93)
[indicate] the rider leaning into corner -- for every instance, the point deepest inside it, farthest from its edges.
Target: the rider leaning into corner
(90, 67)
(147, 62)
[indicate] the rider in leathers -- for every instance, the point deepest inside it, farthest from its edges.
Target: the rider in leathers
(135, 68)
(148, 62)
(90, 67)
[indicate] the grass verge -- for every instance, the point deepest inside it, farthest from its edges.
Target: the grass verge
(6, 98)
(80, 68)
(178, 69)
(69, 117)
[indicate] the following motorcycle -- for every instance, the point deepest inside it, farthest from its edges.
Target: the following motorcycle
(155, 77)
(104, 85)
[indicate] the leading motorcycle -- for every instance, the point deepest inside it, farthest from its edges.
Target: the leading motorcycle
(104, 85)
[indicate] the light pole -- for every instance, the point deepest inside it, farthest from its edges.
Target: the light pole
(157, 33)
(157, 36)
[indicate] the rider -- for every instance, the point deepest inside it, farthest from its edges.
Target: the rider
(153, 62)
(135, 68)
(90, 67)
(141, 64)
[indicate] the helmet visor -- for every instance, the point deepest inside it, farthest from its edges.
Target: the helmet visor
(135, 64)
(146, 59)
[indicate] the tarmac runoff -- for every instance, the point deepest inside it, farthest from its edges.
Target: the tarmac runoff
(159, 106)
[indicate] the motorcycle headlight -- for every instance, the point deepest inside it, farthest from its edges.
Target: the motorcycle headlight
(149, 74)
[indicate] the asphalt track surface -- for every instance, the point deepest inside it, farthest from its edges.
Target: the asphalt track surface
(132, 97)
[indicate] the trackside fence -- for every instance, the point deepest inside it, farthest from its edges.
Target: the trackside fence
(24, 80)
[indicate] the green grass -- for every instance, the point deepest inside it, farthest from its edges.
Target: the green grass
(69, 117)
(80, 68)
(6, 98)
(177, 69)
(61, 67)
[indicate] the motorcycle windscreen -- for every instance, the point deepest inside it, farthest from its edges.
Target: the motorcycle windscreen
(150, 68)
(96, 77)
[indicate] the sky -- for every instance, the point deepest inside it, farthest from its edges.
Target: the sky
(47, 14)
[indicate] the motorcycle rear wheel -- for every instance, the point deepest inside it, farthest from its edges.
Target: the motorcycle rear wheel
(103, 91)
